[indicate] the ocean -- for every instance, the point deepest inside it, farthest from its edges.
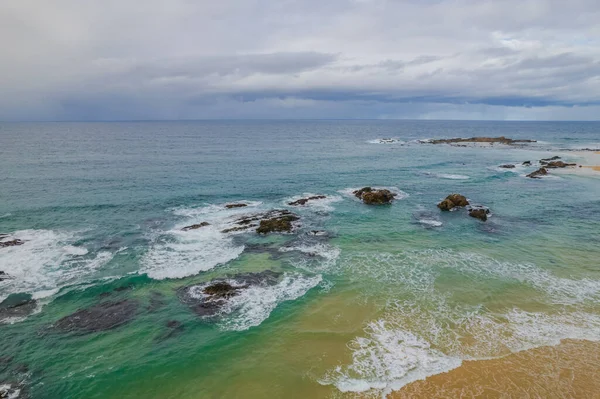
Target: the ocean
(356, 301)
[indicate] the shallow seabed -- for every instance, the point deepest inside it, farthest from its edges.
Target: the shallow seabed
(378, 300)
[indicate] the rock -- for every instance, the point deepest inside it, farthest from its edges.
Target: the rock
(317, 233)
(554, 158)
(11, 243)
(507, 166)
(207, 300)
(174, 324)
(157, 301)
(195, 226)
(303, 201)
(479, 213)
(277, 224)
(4, 276)
(358, 193)
(253, 221)
(453, 201)
(538, 173)
(231, 206)
(558, 164)
(7, 391)
(526, 163)
(101, 317)
(372, 196)
(17, 305)
(491, 140)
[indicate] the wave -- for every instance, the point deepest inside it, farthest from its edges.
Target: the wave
(448, 176)
(430, 222)
(391, 140)
(47, 261)
(326, 255)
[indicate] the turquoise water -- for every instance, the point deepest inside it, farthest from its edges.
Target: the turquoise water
(387, 295)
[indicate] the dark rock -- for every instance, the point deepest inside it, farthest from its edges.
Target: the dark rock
(277, 224)
(101, 317)
(174, 324)
(554, 158)
(196, 226)
(538, 173)
(527, 163)
(231, 206)
(9, 390)
(303, 201)
(11, 243)
(558, 164)
(157, 301)
(479, 213)
(4, 276)
(453, 201)
(17, 305)
(252, 221)
(491, 140)
(507, 166)
(207, 300)
(317, 233)
(372, 196)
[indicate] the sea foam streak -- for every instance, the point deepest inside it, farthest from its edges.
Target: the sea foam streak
(46, 262)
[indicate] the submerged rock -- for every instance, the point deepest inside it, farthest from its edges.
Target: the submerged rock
(232, 206)
(303, 201)
(538, 173)
(195, 226)
(372, 196)
(208, 299)
(17, 305)
(453, 201)
(11, 243)
(101, 317)
(507, 166)
(491, 140)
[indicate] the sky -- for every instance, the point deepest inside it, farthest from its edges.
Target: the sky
(284, 59)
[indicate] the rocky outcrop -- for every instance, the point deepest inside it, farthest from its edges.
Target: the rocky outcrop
(101, 317)
(277, 219)
(372, 196)
(490, 140)
(11, 243)
(303, 201)
(4, 276)
(279, 224)
(479, 213)
(195, 226)
(538, 173)
(558, 164)
(453, 201)
(526, 163)
(554, 158)
(232, 206)
(507, 166)
(207, 300)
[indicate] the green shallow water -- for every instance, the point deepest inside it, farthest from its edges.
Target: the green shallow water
(381, 300)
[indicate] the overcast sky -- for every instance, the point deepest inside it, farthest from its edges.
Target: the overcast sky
(184, 59)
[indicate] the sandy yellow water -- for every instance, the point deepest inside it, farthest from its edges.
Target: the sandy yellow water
(568, 370)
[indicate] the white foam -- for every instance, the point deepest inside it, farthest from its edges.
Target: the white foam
(391, 140)
(430, 222)
(328, 254)
(215, 210)
(449, 176)
(178, 254)
(8, 392)
(399, 194)
(388, 358)
(254, 304)
(46, 262)
(323, 204)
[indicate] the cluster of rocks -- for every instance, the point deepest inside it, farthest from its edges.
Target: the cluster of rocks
(274, 221)
(371, 196)
(11, 243)
(303, 201)
(547, 163)
(490, 140)
(455, 201)
(209, 299)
